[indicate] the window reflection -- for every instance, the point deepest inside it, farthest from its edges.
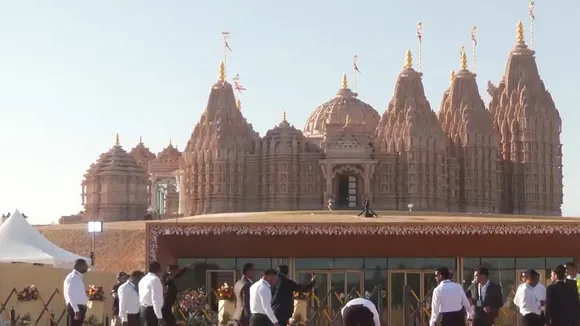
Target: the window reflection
(421, 263)
(535, 263)
(498, 263)
(329, 263)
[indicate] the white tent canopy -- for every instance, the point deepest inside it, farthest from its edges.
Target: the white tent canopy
(20, 242)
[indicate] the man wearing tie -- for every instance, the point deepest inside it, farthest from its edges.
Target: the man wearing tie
(562, 302)
(448, 301)
(486, 297)
(151, 296)
(129, 305)
(261, 300)
(242, 292)
(75, 295)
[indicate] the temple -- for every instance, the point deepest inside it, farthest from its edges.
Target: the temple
(506, 158)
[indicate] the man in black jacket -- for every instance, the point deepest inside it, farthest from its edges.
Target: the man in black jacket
(562, 302)
(282, 298)
(486, 298)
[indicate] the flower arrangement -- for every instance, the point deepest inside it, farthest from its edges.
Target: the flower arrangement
(25, 320)
(225, 292)
(29, 293)
(301, 295)
(191, 300)
(92, 321)
(96, 293)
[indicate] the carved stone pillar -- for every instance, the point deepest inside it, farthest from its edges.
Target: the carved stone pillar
(153, 192)
(328, 177)
(180, 187)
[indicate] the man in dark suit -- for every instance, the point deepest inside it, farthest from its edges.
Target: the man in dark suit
(282, 299)
(562, 302)
(486, 297)
(242, 292)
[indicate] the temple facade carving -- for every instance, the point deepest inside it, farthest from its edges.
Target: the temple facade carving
(503, 158)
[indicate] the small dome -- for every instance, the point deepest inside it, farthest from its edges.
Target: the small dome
(141, 154)
(167, 160)
(116, 161)
(284, 138)
(169, 153)
(336, 110)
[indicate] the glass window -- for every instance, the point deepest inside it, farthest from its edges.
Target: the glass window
(279, 261)
(328, 263)
(498, 263)
(260, 263)
(375, 263)
(182, 262)
(535, 263)
(313, 263)
(220, 263)
(421, 263)
(470, 264)
(553, 262)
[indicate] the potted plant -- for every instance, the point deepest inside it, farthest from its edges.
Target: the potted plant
(226, 304)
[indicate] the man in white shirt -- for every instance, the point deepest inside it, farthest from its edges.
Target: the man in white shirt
(151, 296)
(448, 301)
(75, 295)
(571, 272)
(530, 298)
(360, 312)
(129, 304)
(261, 310)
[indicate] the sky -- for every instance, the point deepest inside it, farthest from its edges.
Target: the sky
(74, 73)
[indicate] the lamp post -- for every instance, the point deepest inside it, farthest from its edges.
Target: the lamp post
(94, 227)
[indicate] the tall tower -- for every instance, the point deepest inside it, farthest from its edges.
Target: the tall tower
(472, 142)
(410, 128)
(215, 163)
(529, 127)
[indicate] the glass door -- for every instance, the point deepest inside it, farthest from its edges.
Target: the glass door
(331, 292)
(409, 298)
(214, 280)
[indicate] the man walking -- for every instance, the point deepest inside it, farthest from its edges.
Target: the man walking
(562, 302)
(283, 300)
(486, 297)
(129, 306)
(151, 296)
(121, 279)
(448, 302)
(360, 312)
(242, 292)
(173, 273)
(75, 296)
(530, 298)
(261, 310)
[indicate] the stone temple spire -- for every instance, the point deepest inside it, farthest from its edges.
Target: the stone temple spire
(221, 141)
(410, 128)
(470, 139)
(529, 126)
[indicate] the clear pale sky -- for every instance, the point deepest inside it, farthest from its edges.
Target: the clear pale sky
(73, 73)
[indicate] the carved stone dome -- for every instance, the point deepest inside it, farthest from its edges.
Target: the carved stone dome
(116, 161)
(336, 110)
(142, 154)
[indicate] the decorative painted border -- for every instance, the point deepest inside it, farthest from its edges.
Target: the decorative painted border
(156, 230)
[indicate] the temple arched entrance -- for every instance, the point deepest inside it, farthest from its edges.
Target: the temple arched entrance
(347, 187)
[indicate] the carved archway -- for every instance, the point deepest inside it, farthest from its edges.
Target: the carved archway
(347, 185)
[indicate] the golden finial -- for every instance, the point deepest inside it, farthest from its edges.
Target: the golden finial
(408, 60)
(239, 104)
(222, 76)
(347, 120)
(344, 81)
(117, 143)
(520, 33)
(140, 139)
(284, 116)
(463, 64)
(452, 76)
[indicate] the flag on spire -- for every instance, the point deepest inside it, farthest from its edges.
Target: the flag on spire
(531, 8)
(420, 31)
(237, 86)
(473, 35)
(225, 36)
(355, 59)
